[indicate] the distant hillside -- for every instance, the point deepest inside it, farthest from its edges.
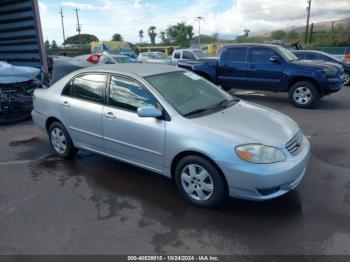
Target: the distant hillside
(320, 26)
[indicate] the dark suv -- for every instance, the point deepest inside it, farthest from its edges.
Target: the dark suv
(272, 68)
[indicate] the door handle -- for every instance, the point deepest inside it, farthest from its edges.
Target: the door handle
(65, 104)
(110, 115)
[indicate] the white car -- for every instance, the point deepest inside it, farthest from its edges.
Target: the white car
(187, 54)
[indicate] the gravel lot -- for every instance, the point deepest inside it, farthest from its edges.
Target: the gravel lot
(95, 205)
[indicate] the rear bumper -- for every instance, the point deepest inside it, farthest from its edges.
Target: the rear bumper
(39, 120)
(266, 181)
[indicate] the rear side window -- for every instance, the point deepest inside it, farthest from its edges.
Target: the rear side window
(177, 55)
(128, 94)
(299, 55)
(88, 87)
(262, 55)
(187, 55)
(236, 54)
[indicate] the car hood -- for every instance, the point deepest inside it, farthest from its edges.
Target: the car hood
(316, 64)
(251, 124)
(14, 74)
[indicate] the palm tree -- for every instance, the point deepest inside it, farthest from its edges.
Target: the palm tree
(152, 34)
(141, 35)
(163, 37)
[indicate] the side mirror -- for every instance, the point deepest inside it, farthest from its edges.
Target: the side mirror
(149, 111)
(275, 60)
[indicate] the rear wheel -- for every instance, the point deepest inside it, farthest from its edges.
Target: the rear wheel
(60, 141)
(200, 182)
(304, 94)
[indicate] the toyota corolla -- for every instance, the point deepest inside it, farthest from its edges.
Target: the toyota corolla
(175, 123)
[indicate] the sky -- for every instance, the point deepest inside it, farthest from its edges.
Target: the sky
(103, 18)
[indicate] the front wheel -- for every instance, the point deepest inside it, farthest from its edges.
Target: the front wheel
(347, 79)
(200, 182)
(304, 94)
(60, 141)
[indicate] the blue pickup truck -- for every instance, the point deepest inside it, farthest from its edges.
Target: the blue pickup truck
(271, 68)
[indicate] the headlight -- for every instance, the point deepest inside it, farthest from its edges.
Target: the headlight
(260, 154)
(330, 71)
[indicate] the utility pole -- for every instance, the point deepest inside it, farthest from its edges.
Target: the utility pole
(78, 26)
(64, 36)
(307, 20)
(198, 19)
(311, 33)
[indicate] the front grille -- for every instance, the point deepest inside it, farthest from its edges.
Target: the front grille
(295, 145)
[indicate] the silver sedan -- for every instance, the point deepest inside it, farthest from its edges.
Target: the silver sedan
(177, 124)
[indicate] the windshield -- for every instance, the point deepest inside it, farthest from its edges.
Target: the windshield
(189, 93)
(200, 54)
(288, 55)
(122, 59)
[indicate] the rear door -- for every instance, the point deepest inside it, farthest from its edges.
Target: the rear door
(232, 69)
(127, 136)
(81, 109)
(264, 73)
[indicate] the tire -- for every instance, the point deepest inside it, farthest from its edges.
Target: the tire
(191, 183)
(61, 142)
(304, 94)
(347, 79)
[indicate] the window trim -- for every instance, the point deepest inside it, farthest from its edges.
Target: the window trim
(103, 102)
(165, 116)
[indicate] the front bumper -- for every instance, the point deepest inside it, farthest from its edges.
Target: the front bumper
(332, 85)
(266, 181)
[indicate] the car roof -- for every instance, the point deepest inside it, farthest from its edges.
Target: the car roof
(135, 68)
(252, 45)
(310, 51)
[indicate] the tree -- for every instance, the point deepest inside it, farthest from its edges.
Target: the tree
(85, 39)
(141, 35)
(152, 34)
(246, 32)
(117, 37)
(180, 34)
(163, 37)
(54, 45)
(47, 44)
(278, 35)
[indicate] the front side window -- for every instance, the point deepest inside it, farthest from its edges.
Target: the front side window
(236, 54)
(187, 55)
(128, 94)
(177, 55)
(88, 87)
(262, 55)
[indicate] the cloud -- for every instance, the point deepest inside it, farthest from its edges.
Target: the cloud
(106, 17)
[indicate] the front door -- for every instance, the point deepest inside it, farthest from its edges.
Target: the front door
(82, 104)
(265, 73)
(127, 136)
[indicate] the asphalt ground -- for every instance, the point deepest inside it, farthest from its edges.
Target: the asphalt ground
(95, 205)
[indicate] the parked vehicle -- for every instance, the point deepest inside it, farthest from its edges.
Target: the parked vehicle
(187, 54)
(154, 58)
(17, 84)
(176, 123)
(272, 68)
(323, 56)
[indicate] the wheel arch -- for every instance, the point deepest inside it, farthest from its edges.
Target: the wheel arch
(51, 120)
(304, 78)
(183, 154)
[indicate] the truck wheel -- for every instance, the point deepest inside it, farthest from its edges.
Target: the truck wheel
(200, 182)
(61, 142)
(347, 79)
(304, 94)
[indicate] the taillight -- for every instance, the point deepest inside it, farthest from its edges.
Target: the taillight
(93, 58)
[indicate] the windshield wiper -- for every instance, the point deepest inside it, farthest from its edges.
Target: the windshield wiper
(197, 111)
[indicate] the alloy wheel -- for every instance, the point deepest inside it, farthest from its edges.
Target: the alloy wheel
(197, 182)
(302, 95)
(58, 140)
(346, 79)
